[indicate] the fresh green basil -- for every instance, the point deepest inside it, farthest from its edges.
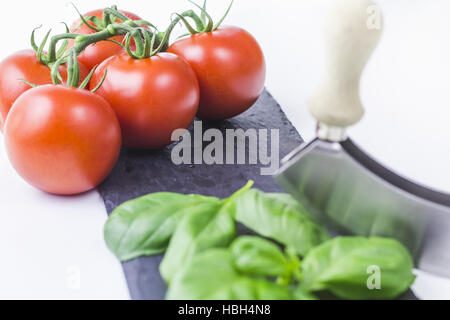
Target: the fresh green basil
(144, 226)
(280, 217)
(198, 231)
(257, 256)
(212, 276)
(300, 293)
(203, 262)
(359, 268)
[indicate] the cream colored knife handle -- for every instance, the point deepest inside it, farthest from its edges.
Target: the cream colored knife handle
(352, 32)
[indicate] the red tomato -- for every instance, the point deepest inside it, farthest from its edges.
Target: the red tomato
(62, 140)
(100, 51)
(151, 97)
(24, 65)
(230, 68)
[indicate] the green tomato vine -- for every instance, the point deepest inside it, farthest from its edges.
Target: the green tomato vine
(147, 39)
(204, 22)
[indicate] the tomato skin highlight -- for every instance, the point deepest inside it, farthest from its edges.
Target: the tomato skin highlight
(230, 68)
(62, 140)
(151, 97)
(24, 65)
(97, 53)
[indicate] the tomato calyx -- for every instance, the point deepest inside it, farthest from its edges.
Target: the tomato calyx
(147, 39)
(114, 23)
(203, 22)
(110, 16)
(147, 42)
(55, 58)
(73, 72)
(48, 58)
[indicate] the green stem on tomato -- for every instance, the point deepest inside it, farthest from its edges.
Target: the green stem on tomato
(202, 15)
(63, 47)
(117, 15)
(56, 77)
(40, 52)
(186, 23)
(52, 54)
(144, 23)
(210, 25)
(204, 23)
(84, 20)
(73, 70)
(85, 82)
(102, 34)
(148, 43)
(32, 39)
(83, 41)
(198, 21)
(145, 41)
(101, 82)
(216, 26)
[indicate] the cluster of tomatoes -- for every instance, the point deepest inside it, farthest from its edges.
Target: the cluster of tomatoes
(65, 139)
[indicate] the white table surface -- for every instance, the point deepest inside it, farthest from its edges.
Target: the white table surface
(52, 247)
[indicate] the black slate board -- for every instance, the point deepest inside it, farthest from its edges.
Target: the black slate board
(142, 172)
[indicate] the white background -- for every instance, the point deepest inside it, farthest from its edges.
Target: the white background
(52, 247)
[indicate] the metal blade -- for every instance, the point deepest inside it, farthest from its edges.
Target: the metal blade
(353, 194)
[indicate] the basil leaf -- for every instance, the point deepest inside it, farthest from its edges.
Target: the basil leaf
(344, 267)
(280, 217)
(211, 276)
(199, 230)
(300, 293)
(257, 256)
(144, 226)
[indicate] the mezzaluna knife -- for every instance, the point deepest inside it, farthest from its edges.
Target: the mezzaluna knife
(341, 184)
